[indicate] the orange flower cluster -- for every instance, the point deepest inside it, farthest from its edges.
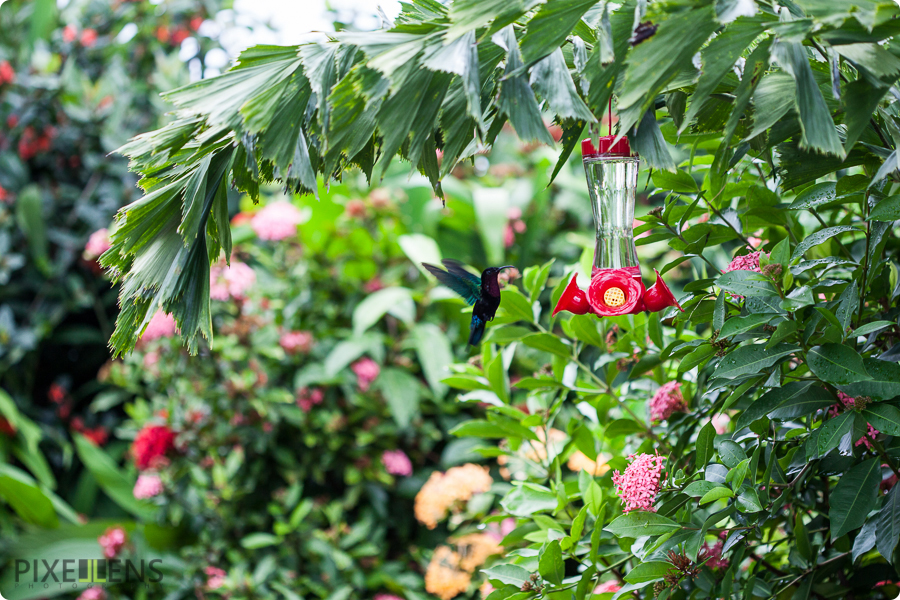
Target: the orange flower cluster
(450, 571)
(443, 578)
(579, 461)
(444, 490)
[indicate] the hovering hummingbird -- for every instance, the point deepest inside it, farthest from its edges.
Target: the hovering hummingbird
(483, 293)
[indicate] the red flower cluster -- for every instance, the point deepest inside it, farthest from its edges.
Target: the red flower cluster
(7, 74)
(151, 445)
(96, 435)
(31, 144)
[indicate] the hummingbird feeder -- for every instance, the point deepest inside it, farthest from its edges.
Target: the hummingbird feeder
(616, 288)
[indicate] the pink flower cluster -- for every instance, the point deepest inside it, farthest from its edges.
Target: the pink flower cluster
(147, 486)
(215, 577)
(714, 555)
(747, 262)
(307, 398)
(514, 225)
(230, 281)
(396, 462)
(849, 403)
(367, 371)
(112, 541)
(97, 244)
(608, 587)
(276, 221)
(638, 486)
(162, 325)
(93, 593)
(666, 401)
(296, 342)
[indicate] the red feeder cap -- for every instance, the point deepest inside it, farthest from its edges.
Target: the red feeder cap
(606, 147)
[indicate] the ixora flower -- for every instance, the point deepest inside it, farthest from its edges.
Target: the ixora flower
(162, 325)
(443, 490)
(277, 221)
(97, 244)
(747, 262)
(396, 462)
(296, 342)
(443, 578)
(367, 371)
(93, 593)
(639, 484)
(608, 587)
(666, 401)
(151, 445)
(615, 292)
(148, 485)
(112, 541)
(230, 281)
(215, 577)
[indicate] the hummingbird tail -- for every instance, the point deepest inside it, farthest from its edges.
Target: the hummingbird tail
(476, 329)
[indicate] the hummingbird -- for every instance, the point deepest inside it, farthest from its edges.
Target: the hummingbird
(482, 293)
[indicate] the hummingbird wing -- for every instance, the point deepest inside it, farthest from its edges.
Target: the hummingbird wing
(457, 279)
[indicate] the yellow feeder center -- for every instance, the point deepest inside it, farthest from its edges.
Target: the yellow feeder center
(614, 297)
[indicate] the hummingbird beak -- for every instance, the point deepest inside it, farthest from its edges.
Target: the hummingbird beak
(508, 267)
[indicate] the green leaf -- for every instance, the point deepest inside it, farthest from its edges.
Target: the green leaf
(883, 384)
(884, 418)
(716, 493)
(548, 29)
(747, 283)
(887, 210)
(748, 501)
(836, 364)
(677, 181)
(853, 497)
(737, 325)
(508, 574)
(719, 313)
(585, 329)
(527, 499)
(593, 498)
(517, 305)
(731, 452)
(517, 99)
(548, 343)
(815, 195)
(30, 217)
(819, 237)
(648, 571)
(752, 359)
(650, 144)
(111, 479)
(818, 131)
(833, 431)
(492, 430)
(401, 393)
(696, 357)
(697, 489)
(705, 442)
(396, 301)
(641, 523)
(26, 498)
(870, 328)
(652, 63)
(888, 531)
(550, 563)
(772, 399)
(254, 541)
(435, 355)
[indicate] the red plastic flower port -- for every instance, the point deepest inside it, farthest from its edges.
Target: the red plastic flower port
(659, 296)
(573, 299)
(615, 292)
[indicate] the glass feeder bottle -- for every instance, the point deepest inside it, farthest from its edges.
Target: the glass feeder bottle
(611, 171)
